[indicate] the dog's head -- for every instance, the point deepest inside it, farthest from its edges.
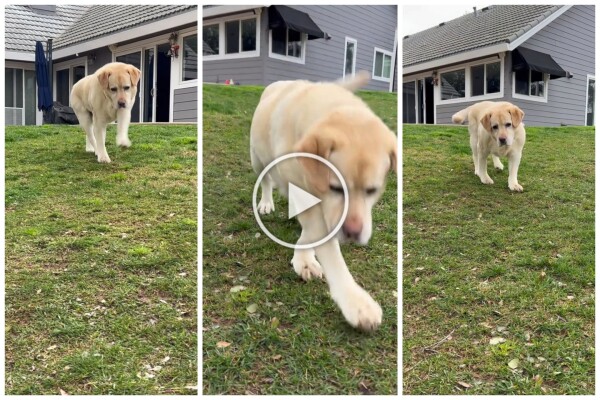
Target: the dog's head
(364, 150)
(119, 81)
(501, 122)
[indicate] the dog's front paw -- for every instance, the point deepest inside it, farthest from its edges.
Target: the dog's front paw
(486, 180)
(90, 149)
(306, 265)
(266, 207)
(105, 159)
(515, 187)
(123, 142)
(359, 308)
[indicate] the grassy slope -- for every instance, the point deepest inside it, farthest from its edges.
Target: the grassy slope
(101, 265)
(297, 341)
(480, 262)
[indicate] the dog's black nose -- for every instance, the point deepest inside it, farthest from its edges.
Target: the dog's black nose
(122, 104)
(502, 141)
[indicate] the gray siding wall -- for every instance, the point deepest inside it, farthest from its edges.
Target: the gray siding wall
(185, 105)
(370, 26)
(570, 40)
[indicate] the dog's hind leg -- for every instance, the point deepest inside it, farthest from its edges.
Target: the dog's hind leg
(266, 204)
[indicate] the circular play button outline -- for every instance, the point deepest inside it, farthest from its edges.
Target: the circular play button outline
(294, 245)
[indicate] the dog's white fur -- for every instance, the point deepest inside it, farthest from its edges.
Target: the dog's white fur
(496, 128)
(102, 97)
(328, 120)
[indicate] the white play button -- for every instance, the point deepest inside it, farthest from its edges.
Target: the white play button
(299, 200)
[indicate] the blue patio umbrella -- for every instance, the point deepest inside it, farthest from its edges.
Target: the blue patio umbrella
(41, 74)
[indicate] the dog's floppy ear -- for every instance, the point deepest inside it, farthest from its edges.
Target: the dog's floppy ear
(486, 121)
(516, 115)
(103, 78)
(135, 74)
(321, 144)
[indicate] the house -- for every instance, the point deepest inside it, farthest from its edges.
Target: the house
(161, 40)
(540, 57)
(258, 45)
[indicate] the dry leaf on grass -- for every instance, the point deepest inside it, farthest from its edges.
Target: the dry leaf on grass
(513, 364)
(222, 345)
(497, 340)
(252, 308)
(463, 385)
(237, 288)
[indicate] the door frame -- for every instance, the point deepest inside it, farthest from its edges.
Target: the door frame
(587, 88)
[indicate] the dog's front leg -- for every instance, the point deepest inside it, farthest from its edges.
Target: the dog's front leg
(358, 307)
(100, 137)
(514, 159)
(123, 119)
(482, 156)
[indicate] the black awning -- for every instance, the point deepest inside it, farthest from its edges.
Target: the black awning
(284, 16)
(536, 61)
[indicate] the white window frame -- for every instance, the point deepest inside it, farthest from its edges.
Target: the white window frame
(539, 99)
(587, 89)
(297, 60)
(355, 42)
(467, 68)
(190, 82)
(385, 53)
(77, 62)
(241, 54)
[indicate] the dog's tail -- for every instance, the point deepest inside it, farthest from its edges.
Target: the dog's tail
(355, 82)
(461, 116)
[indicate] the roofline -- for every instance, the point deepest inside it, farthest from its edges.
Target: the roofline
(485, 51)
(222, 10)
(19, 56)
(138, 31)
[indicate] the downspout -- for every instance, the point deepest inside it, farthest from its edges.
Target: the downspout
(394, 63)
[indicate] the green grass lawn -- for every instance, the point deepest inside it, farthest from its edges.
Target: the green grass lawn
(101, 262)
(481, 262)
(296, 341)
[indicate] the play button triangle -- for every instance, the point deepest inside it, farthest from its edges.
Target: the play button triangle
(299, 200)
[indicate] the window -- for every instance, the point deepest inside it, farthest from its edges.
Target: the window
(485, 78)
(210, 46)
(382, 65)
(232, 38)
(20, 97)
(350, 57)
(530, 84)
(409, 99)
(62, 86)
(190, 58)
(287, 44)
(453, 84)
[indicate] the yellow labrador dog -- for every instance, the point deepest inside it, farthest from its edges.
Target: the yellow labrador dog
(102, 97)
(496, 128)
(328, 120)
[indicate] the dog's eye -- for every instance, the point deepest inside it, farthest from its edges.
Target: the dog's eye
(495, 127)
(113, 89)
(508, 125)
(336, 189)
(371, 191)
(126, 88)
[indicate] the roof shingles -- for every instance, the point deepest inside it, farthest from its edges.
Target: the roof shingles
(492, 25)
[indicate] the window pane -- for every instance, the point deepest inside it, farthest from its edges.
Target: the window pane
(537, 84)
(387, 66)
(349, 65)
(78, 73)
(232, 37)
(294, 43)
(249, 35)
(378, 64)
(278, 45)
(190, 57)
(492, 77)
(19, 88)
(62, 86)
(30, 99)
(477, 77)
(9, 91)
(522, 82)
(210, 45)
(453, 84)
(408, 103)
